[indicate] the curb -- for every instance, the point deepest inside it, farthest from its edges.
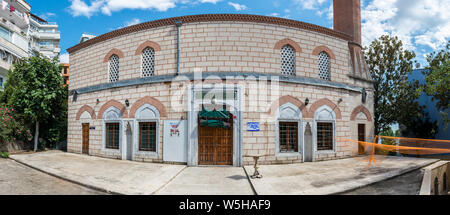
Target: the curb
(400, 173)
(67, 179)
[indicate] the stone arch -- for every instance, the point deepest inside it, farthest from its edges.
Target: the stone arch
(322, 102)
(360, 109)
(287, 99)
(290, 42)
(111, 53)
(151, 44)
(113, 103)
(86, 108)
(325, 49)
(148, 100)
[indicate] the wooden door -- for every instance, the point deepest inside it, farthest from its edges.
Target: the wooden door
(85, 149)
(215, 146)
(361, 137)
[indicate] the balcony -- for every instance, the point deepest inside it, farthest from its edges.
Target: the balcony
(16, 17)
(48, 35)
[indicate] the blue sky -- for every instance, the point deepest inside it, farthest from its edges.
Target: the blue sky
(423, 25)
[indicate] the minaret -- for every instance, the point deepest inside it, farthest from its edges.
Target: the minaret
(347, 19)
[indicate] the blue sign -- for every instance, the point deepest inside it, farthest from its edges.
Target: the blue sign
(253, 126)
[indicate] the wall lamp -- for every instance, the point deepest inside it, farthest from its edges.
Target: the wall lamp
(127, 103)
(306, 102)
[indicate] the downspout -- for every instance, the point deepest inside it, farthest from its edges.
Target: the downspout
(178, 24)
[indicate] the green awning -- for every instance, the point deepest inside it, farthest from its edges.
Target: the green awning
(215, 118)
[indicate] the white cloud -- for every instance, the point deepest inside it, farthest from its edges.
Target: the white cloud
(64, 58)
(274, 14)
(310, 4)
(210, 1)
(47, 15)
(81, 8)
(237, 6)
(415, 22)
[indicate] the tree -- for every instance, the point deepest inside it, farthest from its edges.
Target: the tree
(394, 95)
(35, 89)
(437, 81)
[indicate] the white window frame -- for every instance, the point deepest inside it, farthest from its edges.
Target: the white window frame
(112, 115)
(289, 113)
(330, 119)
(141, 118)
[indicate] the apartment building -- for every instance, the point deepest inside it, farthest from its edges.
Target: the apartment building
(23, 34)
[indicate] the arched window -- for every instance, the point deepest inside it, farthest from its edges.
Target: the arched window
(288, 129)
(324, 66)
(112, 119)
(148, 62)
(436, 186)
(147, 119)
(325, 122)
(287, 60)
(114, 68)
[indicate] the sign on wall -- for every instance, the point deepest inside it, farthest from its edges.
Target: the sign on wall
(252, 126)
(175, 141)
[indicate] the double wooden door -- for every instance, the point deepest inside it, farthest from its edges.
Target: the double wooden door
(85, 147)
(215, 146)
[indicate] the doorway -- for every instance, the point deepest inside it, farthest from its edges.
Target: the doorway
(361, 138)
(215, 140)
(308, 147)
(85, 144)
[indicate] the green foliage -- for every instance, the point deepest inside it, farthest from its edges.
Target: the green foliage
(437, 81)
(395, 98)
(4, 155)
(35, 89)
(11, 127)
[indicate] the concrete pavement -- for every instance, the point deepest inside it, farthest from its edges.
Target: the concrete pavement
(17, 179)
(126, 177)
(331, 177)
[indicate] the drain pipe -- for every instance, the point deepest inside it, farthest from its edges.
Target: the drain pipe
(178, 24)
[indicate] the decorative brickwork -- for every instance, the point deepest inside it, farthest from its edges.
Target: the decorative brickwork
(153, 45)
(361, 109)
(211, 18)
(325, 49)
(111, 53)
(148, 100)
(287, 99)
(88, 109)
(116, 104)
(326, 102)
(290, 42)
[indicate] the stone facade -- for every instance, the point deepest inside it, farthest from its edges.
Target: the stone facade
(220, 47)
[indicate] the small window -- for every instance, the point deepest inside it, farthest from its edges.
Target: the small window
(436, 186)
(287, 60)
(147, 136)
(1, 82)
(112, 135)
(324, 136)
(288, 136)
(324, 66)
(114, 68)
(148, 62)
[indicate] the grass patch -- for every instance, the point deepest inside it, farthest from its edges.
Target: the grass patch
(4, 155)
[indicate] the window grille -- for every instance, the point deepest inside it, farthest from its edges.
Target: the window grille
(114, 68)
(288, 136)
(324, 136)
(287, 60)
(147, 136)
(324, 66)
(148, 62)
(112, 135)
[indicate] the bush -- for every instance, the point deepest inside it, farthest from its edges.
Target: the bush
(12, 129)
(4, 155)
